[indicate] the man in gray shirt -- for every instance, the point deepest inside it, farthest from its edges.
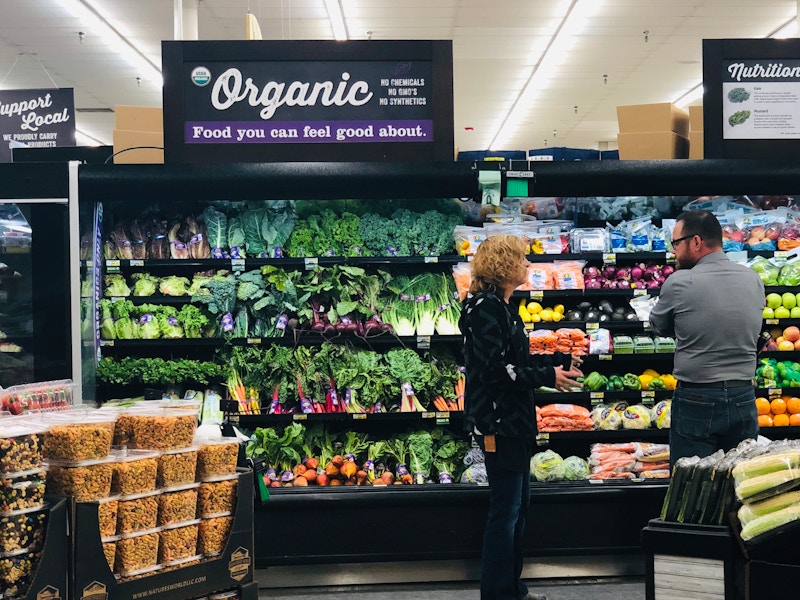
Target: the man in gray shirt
(714, 308)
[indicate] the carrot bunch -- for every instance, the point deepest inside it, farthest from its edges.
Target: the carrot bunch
(237, 392)
(447, 405)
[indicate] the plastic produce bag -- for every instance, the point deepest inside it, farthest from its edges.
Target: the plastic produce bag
(606, 418)
(575, 468)
(547, 466)
(475, 473)
(767, 270)
(637, 416)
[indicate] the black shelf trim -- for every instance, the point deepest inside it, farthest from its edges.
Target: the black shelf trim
(303, 338)
(252, 421)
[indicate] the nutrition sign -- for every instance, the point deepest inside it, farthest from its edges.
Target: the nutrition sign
(308, 101)
(761, 99)
(36, 119)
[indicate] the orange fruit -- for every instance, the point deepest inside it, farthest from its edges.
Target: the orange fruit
(764, 421)
(762, 406)
(794, 420)
(792, 333)
(793, 405)
(778, 406)
(781, 420)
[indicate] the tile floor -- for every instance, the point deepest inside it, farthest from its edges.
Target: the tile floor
(629, 588)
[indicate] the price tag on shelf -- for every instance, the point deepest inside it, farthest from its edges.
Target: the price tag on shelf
(609, 258)
(90, 263)
(107, 343)
(640, 292)
(136, 262)
(592, 326)
(300, 417)
(443, 420)
(423, 342)
(117, 298)
(237, 264)
(254, 341)
(670, 258)
(596, 401)
(443, 414)
(536, 294)
(112, 262)
(648, 394)
(646, 325)
(542, 439)
(520, 174)
(431, 259)
(311, 263)
(774, 392)
(428, 415)
(597, 395)
(112, 266)
(772, 321)
(359, 416)
(529, 326)
(605, 356)
(780, 254)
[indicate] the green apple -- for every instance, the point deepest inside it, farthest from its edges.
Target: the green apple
(789, 300)
(768, 313)
(795, 313)
(797, 299)
(774, 300)
(782, 312)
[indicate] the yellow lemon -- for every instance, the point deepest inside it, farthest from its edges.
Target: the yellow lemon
(557, 316)
(546, 314)
(559, 308)
(535, 318)
(534, 307)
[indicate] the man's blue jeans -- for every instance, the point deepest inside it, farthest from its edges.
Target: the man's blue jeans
(705, 420)
(509, 499)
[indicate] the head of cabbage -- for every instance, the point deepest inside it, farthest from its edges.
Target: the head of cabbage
(575, 468)
(547, 466)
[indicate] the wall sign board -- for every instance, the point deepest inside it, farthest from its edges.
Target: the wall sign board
(751, 106)
(260, 101)
(36, 118)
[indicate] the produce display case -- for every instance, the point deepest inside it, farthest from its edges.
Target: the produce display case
(38, 306)
(118, 189)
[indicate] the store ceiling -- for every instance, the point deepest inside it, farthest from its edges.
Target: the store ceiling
(494, 44)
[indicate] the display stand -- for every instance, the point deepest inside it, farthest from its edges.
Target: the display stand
(697, 561)
(233, 568)
(50, 579)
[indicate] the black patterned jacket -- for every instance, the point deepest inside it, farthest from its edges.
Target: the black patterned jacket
(500, 372)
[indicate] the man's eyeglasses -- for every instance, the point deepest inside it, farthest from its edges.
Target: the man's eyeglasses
(682, 239)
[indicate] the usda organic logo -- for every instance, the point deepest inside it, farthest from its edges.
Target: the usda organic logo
(201, 76)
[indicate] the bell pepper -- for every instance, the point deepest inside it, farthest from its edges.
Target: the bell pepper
(631, 381)
(669, 381)
(656, 383)
(615, 383)
(645, 380)
(595, 382)
(651, 372)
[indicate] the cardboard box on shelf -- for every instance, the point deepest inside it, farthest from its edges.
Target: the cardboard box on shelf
(138, 118)
(652, 145)
(232, 568)
(696, 118)
(665, 116)
(695, 145)
(124, 139)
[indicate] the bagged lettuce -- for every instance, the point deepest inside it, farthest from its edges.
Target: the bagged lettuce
(547, 466)
(575, 468)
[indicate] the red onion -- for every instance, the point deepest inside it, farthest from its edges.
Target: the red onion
(636, 273)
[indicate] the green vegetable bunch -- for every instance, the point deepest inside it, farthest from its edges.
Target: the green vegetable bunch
(155, 371)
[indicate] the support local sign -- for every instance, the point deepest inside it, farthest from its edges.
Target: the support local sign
(285, 101)
(40, 118)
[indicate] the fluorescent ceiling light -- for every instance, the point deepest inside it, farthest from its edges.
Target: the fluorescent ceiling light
(574, 20)
(94, 21)
(85, 139)
(336, 17)
(788, 29)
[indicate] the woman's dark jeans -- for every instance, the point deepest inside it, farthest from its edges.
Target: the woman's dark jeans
(502, 561)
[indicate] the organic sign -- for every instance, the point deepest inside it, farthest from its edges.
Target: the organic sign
(307, 101)
(37, 118)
